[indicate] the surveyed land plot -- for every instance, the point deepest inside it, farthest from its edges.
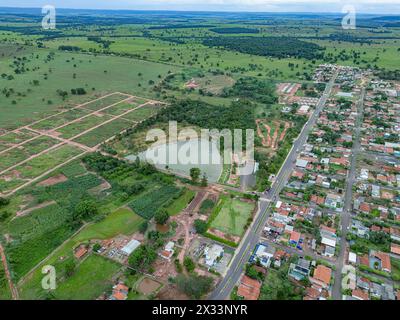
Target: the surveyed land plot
(104, 132)
(37, 149)
(106, 102)
(37, 166)
(19, 153)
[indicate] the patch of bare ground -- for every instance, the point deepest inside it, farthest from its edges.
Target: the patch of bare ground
(40, 206)
(171, 292)
(53, 180)
(223, 235)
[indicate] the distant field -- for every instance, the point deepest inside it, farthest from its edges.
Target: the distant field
(122, 74)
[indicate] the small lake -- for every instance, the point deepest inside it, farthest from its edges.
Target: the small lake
(181, 156)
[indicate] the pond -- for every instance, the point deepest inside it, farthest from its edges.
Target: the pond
(180, 156)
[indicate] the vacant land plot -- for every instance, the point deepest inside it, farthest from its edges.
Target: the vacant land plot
(90, 280)
(82, 125)
(121, 108)
(148, 286)
(142, 113)
(232, 216)
(105, 102)
(10, 139)
(36, 166)
(18, 154)
(60, 119)
(104, 132)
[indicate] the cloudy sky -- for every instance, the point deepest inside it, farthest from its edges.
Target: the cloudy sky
(368, 6)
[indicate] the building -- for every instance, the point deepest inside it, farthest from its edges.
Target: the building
(322, 276)
(213, 254)
(263, 254)
(130, 247)
(380, 260)
(168, 251)
(300, 270)
(120, 292)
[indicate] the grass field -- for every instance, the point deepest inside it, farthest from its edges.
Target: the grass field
(92, 277)
(96, 74)
(232, 216)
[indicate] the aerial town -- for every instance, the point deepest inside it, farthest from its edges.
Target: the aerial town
(87, 213)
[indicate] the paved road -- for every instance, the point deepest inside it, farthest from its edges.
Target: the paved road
(252, 236)
(346, 214)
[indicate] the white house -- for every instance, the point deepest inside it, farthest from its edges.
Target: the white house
(212, 254)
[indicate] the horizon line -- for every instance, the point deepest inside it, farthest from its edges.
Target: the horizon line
(202, 11)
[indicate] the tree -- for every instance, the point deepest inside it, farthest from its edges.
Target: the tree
(195, 174)
(4, 201)
(189, 264)
(194, 286)
(161, 217)
(143, 227)
(204, 181)
(96, 247)
(142, 258)
(200, 226)
(85, 209)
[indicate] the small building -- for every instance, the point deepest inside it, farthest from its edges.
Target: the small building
(322, 276)
(130, 247)
(168, 251)
(120, 292)
(352, 258)
(263, 254)
(80, 252)
(212, 254)
(300, 270)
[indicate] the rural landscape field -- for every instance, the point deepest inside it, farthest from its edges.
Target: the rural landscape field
(85, 216)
